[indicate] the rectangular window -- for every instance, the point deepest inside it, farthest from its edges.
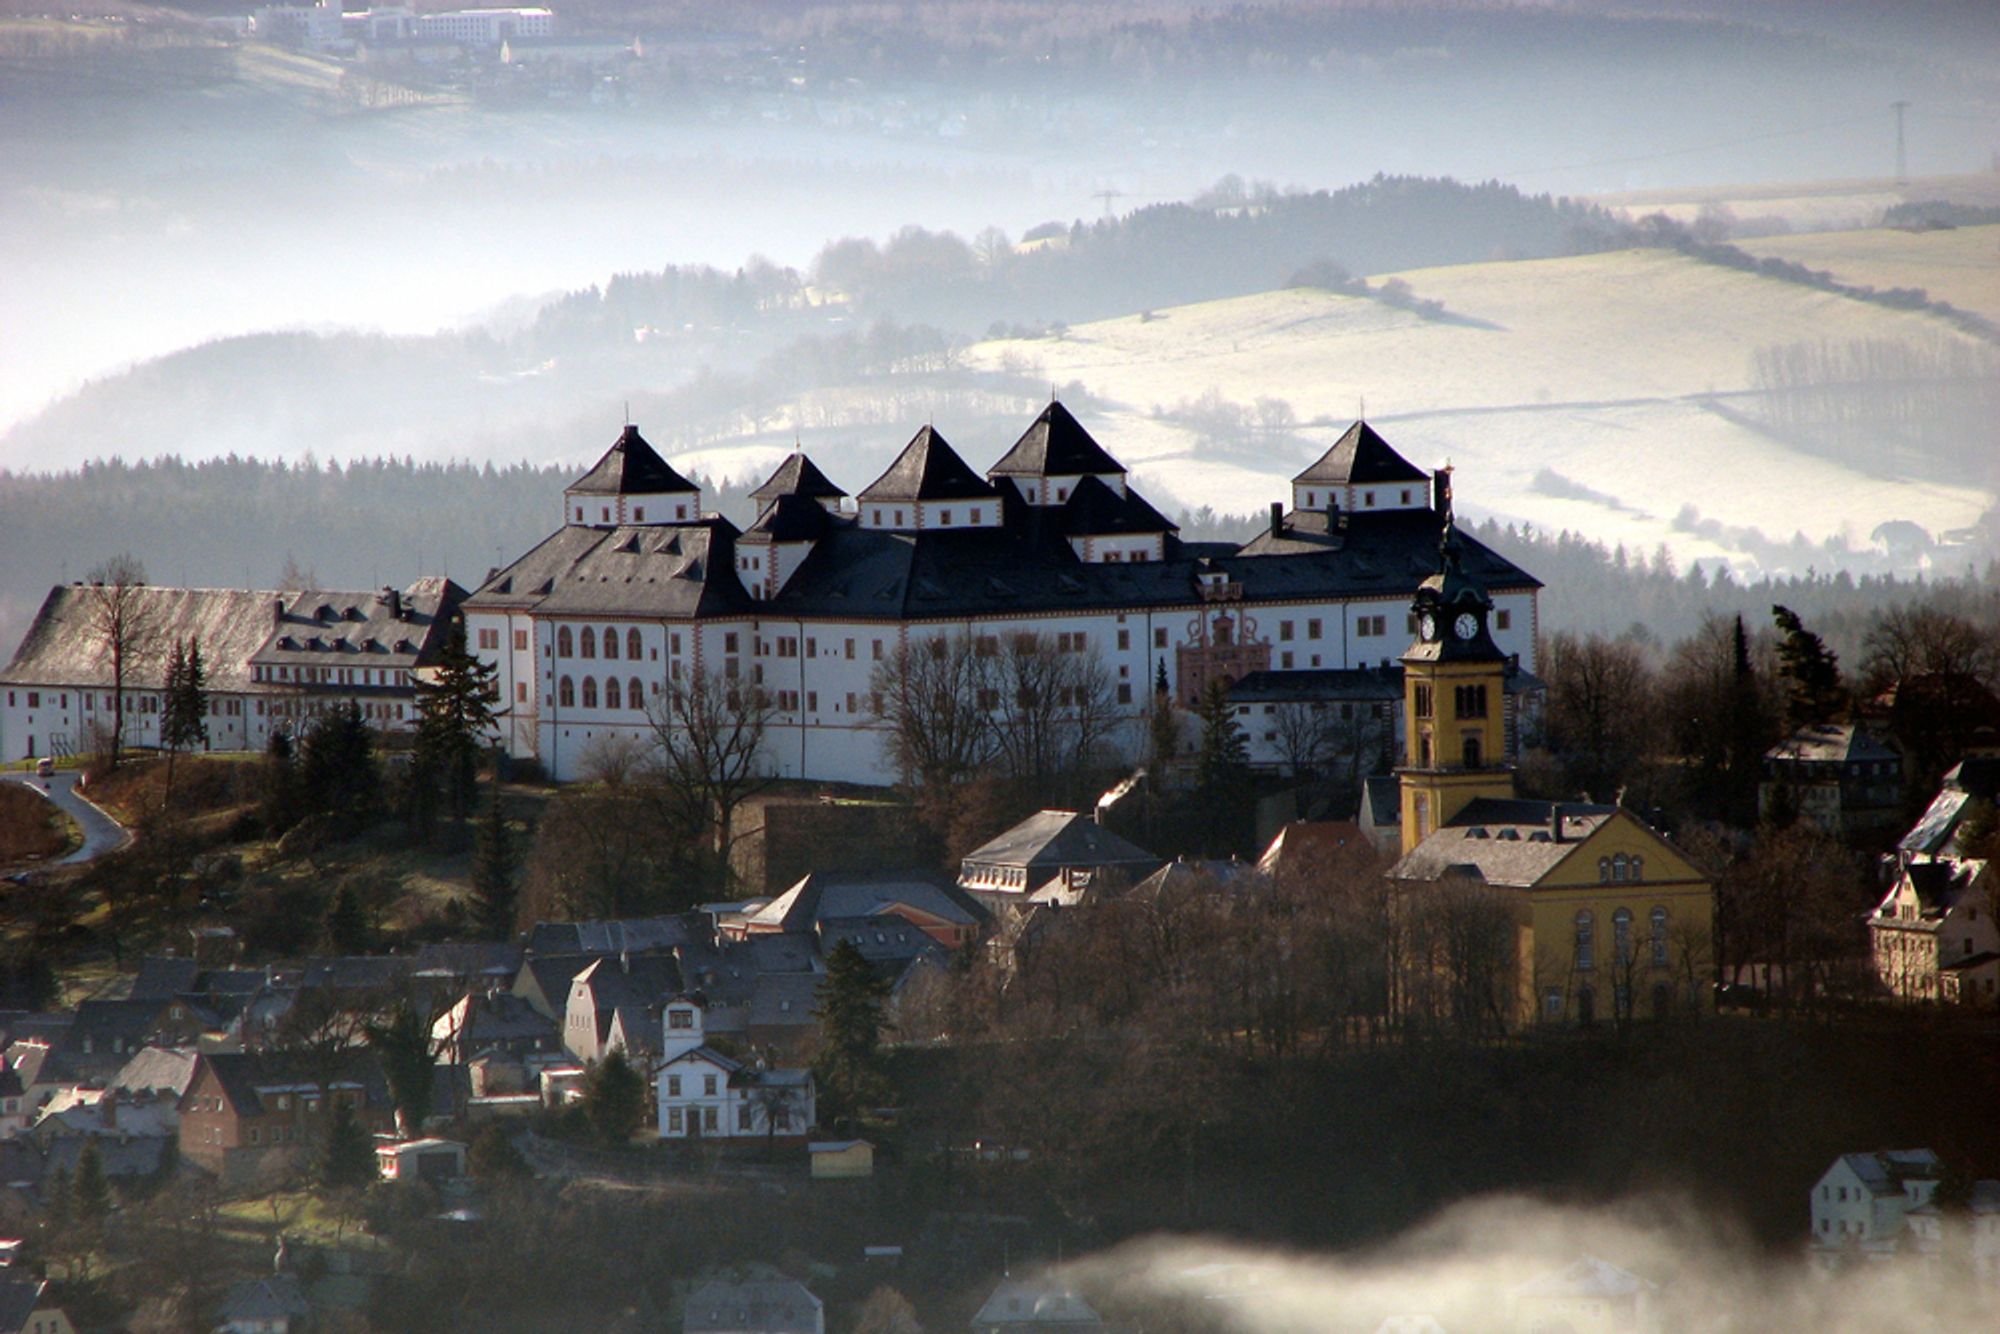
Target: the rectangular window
(1313, 628)
(850, 701)
(878, 651)
(673, 1086)
(849, 650)
(1503, 620)
(680, 1019)
(676, 1121)
(520, 692)
(708, 1086)
(489, 639)
(1124, 640)
(1284, 632)
(1159, 637)
(729, 642)
(812, 701)
(708, 1120)
(1424, 705)
(1125, 694)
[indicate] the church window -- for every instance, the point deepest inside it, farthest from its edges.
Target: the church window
(587, 643)
(1659, 924)
(564, 645)
(589, 692)
(1424, 751)
(1603, 870)
(612, 695)
(1424, 705)
(1638, 867)
(1621, 935)
(1470, 701)
(1586, 944)
(635, 698)
(1619, 868)
(566, 692)
(1469, 751)
(611, 642)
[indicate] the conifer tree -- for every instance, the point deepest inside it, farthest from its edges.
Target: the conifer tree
(348, 1158)
(614, 1099)
(91, 1195)
(337, 772)
(494, 864)
(346, 924)
(1811, 672)
(1222, 775)
(457, 708)
(849, 1067)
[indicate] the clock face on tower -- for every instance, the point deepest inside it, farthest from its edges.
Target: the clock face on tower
(1466, 625)
(1428, 626)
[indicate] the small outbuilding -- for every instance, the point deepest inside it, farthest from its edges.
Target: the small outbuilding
(420, 1159)
(841, 1159)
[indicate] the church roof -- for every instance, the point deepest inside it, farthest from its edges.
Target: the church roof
(797, 476)
(928, 469)
(630, 467)
(1055, 445)
(1503, 841)
(1360, 455)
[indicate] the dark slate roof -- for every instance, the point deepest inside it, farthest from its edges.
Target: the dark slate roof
(780, 1307)
(631, 935)
(1831, 743)
(631, 467)
(467, 958)
(161, 978)
(797, 476)
(18, 1300)
(270, 1299)
(1094, 509)
(1503, 841)
(1050, 839)
(788, 519)
(61, 648)
(928, 469)
(673, 570)
(824, 894)
(879, 937)
(780, 1000)
(1056, 445)
(1361, 456)
(389, 628)
(242, 1074)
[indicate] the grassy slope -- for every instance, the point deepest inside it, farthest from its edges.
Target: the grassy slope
(1585, 365)
(31, 828)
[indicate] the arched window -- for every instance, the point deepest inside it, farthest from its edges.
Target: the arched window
(635, 698)
(566, 691)
(1621, 930)
(564, 645)
(589, 643)
(1586, 944)
(632, 644)
(589, 692)
(1603, 870)
(611, 699)
(1638, 867)
(1471, 752)
(1659, 924)
(610, 642)
(1620, 865)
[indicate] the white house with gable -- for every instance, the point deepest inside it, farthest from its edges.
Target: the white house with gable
(704, 1094)
(1860, 1206)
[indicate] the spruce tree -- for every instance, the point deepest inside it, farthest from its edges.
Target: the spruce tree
(348, 1157)
(614, 1099)
(494, 864)
(1811, 672)
(457, 709)
(346, 924)
(1222, 774)
(849, 1067)
(91, 1195)
(337, 772)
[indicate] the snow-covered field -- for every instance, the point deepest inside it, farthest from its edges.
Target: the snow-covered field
(1960, 264)
(1599, 369)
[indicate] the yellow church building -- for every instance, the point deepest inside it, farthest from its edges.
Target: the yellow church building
(1611, 921)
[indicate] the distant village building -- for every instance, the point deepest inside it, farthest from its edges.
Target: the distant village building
(763, 1306)
(243, 1110)
(1861, 1203)
(274, 661)
(1838, 778)
(1590, 1296)
(703, 1094)
(640, 590)
(1935, 935)
(1022, 1305)
(1064, 850)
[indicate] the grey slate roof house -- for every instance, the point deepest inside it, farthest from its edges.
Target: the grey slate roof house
(772, 1306)
(1065, 847)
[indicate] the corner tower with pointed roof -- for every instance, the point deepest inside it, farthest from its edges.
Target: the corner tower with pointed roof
(1454, 710)
(1361, 472)
(1052, 456)
(631, 484)
(929, 487)
(800, 476)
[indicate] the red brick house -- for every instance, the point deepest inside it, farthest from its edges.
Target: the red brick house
(246, 1111)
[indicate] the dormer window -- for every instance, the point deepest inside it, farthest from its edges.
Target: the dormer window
(680, 1018)
(639, 514)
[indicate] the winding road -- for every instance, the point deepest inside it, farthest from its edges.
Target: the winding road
(101, 833)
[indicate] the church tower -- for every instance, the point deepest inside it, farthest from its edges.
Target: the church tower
(1454, 713)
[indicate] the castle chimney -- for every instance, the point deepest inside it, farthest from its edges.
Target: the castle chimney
(1441, 491)
(1277, 518)
(107, 1109)
(1555, 822)
(277, 612)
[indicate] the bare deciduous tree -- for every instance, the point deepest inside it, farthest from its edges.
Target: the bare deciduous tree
(710, 732)
(123, 623)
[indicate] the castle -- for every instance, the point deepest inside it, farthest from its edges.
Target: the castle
(639, 589)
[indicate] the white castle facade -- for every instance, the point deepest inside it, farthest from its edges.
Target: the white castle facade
(640, 589)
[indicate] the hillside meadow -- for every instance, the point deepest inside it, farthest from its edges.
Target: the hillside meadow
(1601, 393)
